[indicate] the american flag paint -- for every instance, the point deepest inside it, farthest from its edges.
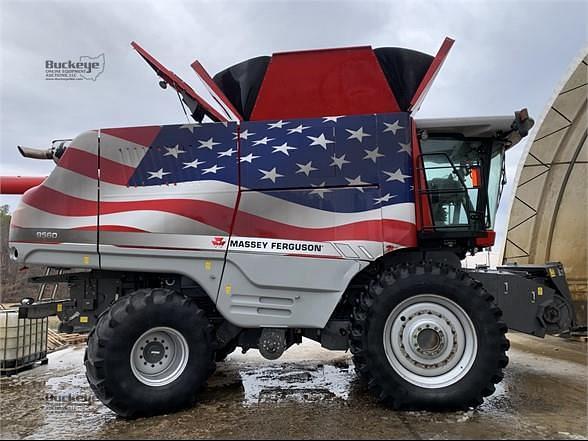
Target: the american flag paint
(345, 179)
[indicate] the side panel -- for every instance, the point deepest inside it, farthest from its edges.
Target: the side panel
(54, 223)
(336, 178)
(167, 196)
(321, 198)
(283, 291)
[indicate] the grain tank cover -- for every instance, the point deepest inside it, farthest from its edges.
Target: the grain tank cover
(341, 81)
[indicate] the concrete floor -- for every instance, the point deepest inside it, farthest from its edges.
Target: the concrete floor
(309, 393)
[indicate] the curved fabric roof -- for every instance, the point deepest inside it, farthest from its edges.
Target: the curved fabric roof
(548, 219)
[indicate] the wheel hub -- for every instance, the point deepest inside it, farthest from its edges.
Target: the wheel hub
(159, 356)
(154, 352)
(430, 340)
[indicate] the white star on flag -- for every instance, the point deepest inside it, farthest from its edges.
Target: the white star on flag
(306, 168)
(272, 175)
(243, 135)
(331, 118)
(212, 169)
(396, 176)
(357, 134)
(319, 191)
(190, 127)
(320, 140)
(228, 153)
(173, 151)
(406, 148)
(357, 181)
(207, 144)
(283, 148)
(383, 199)
(263, 141)
(249, 158)
(298, 129)
(395, 126)
(159, 174)
(277, 125)
(373, 154)
(338, 162)
(194, 164)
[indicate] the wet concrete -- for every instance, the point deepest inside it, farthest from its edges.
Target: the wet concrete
(309, 393)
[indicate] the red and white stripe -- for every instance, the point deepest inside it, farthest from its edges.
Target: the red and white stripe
(68, 199)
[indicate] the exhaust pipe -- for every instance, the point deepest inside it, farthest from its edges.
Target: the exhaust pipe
(20, 184)
(54, 152)
(32, 153)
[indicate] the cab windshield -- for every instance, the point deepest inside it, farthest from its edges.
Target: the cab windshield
(464, 178)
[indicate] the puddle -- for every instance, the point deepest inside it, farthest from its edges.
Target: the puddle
(295, 382)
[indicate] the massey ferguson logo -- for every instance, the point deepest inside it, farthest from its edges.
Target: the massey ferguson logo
(218, 242)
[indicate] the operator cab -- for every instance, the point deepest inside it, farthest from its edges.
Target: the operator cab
(461, 173)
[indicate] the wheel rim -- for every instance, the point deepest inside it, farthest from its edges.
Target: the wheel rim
(159, 356)
(430, 341)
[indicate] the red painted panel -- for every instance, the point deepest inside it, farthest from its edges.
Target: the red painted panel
(424, 218)
(18, 184)
(327, 82)
(487, 240)
(177, 83)
(216, 91)
(431, 74)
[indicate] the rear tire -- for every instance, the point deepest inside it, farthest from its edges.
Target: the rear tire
(150, 353)
(428, 336)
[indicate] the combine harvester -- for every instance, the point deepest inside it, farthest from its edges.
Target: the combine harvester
(313, 205)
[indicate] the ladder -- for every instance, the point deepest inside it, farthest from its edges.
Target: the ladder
(50, 271)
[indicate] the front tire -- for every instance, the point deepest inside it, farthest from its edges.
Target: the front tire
(428, 336)
(150, 353)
